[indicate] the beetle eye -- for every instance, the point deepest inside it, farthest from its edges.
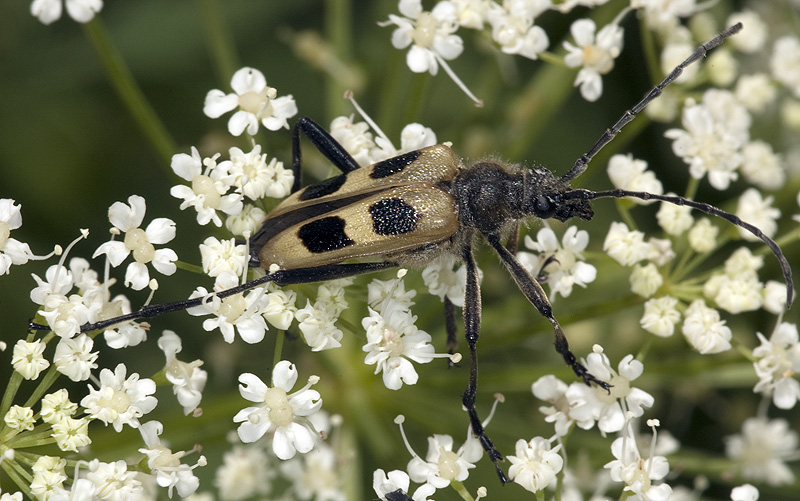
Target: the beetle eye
(543, 208)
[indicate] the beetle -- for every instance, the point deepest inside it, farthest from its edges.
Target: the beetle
(418, 206)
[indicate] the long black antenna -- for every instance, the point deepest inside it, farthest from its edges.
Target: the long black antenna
(703, 207)
(580, 164)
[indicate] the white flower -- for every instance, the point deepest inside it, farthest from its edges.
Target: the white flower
(777, 362)
(712, 137)
(660, 316)
(245, 473)
(317, 324)
(744, 492)
(120, 401)
(645, 280)
(393, 341)
(81, 11)
(774, 300)
(665, 14)
(386, 483)
(280, 412)
(59, 281)
(166, 465)
(316, 475)
(535, 465)
(631, 174)
(414, 136)
(594, 55)
(12, 251)
(759, 212)
(703, 236)
(280, 309)
(514, 30)
(48, 477)
(756, 92)
(187, 379)
(762, 449)
(70, 434)
(638, 473)
(379, 291)
(238, 310)
(74, 357)
(554, 391)
(128, 218)
(114, 481)
(254, 176)
(441, 280)
(57, 405)
(625, 246)
(65, 315)
(430, 35)
(609, 409)
(249, 220)
(257, 102)
(757, 31)
(219, 256)
(674, 219)
(785, 63)
(27, 358)
(442, 465)
(761, 166)
(208, 190)
(354, 137)
(704, 330)
(19, 418)
(562, 263)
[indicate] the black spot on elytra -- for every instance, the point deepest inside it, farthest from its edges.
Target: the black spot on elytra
(393, 216)
(324, 235)
(327, 187)
(393, 165)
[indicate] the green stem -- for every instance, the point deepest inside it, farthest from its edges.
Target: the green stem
(18, 475)
(219, 41)
(128, 91)
(47, 381)
(11, 392)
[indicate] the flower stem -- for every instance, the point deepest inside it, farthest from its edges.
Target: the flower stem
(128, 91)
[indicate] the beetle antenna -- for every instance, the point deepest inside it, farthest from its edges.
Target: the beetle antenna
(702, 207)
(580, 164)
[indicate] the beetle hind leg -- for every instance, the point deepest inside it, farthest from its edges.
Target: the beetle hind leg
(472, 325)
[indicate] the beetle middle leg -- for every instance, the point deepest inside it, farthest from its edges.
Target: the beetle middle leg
(536, 295)
(322, 141)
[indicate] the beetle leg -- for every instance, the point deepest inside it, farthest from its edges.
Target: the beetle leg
(280, 277)
(472, 326)
(536, 295)
(450, 325)
(326, 145)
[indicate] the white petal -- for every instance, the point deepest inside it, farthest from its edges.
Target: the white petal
(136, 276)
(242, 120)
(248, 80)
(284, 375)
(160, 230)
(218, 103)
(251, 387)
(83, 10)
(164, 261)
(46, 11)
(115, 250)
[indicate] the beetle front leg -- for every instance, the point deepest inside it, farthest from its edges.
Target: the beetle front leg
(472, 326)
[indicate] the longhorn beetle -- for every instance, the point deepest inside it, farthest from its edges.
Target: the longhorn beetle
(413, 208)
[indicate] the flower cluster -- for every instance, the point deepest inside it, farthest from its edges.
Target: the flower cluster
(432, 40)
